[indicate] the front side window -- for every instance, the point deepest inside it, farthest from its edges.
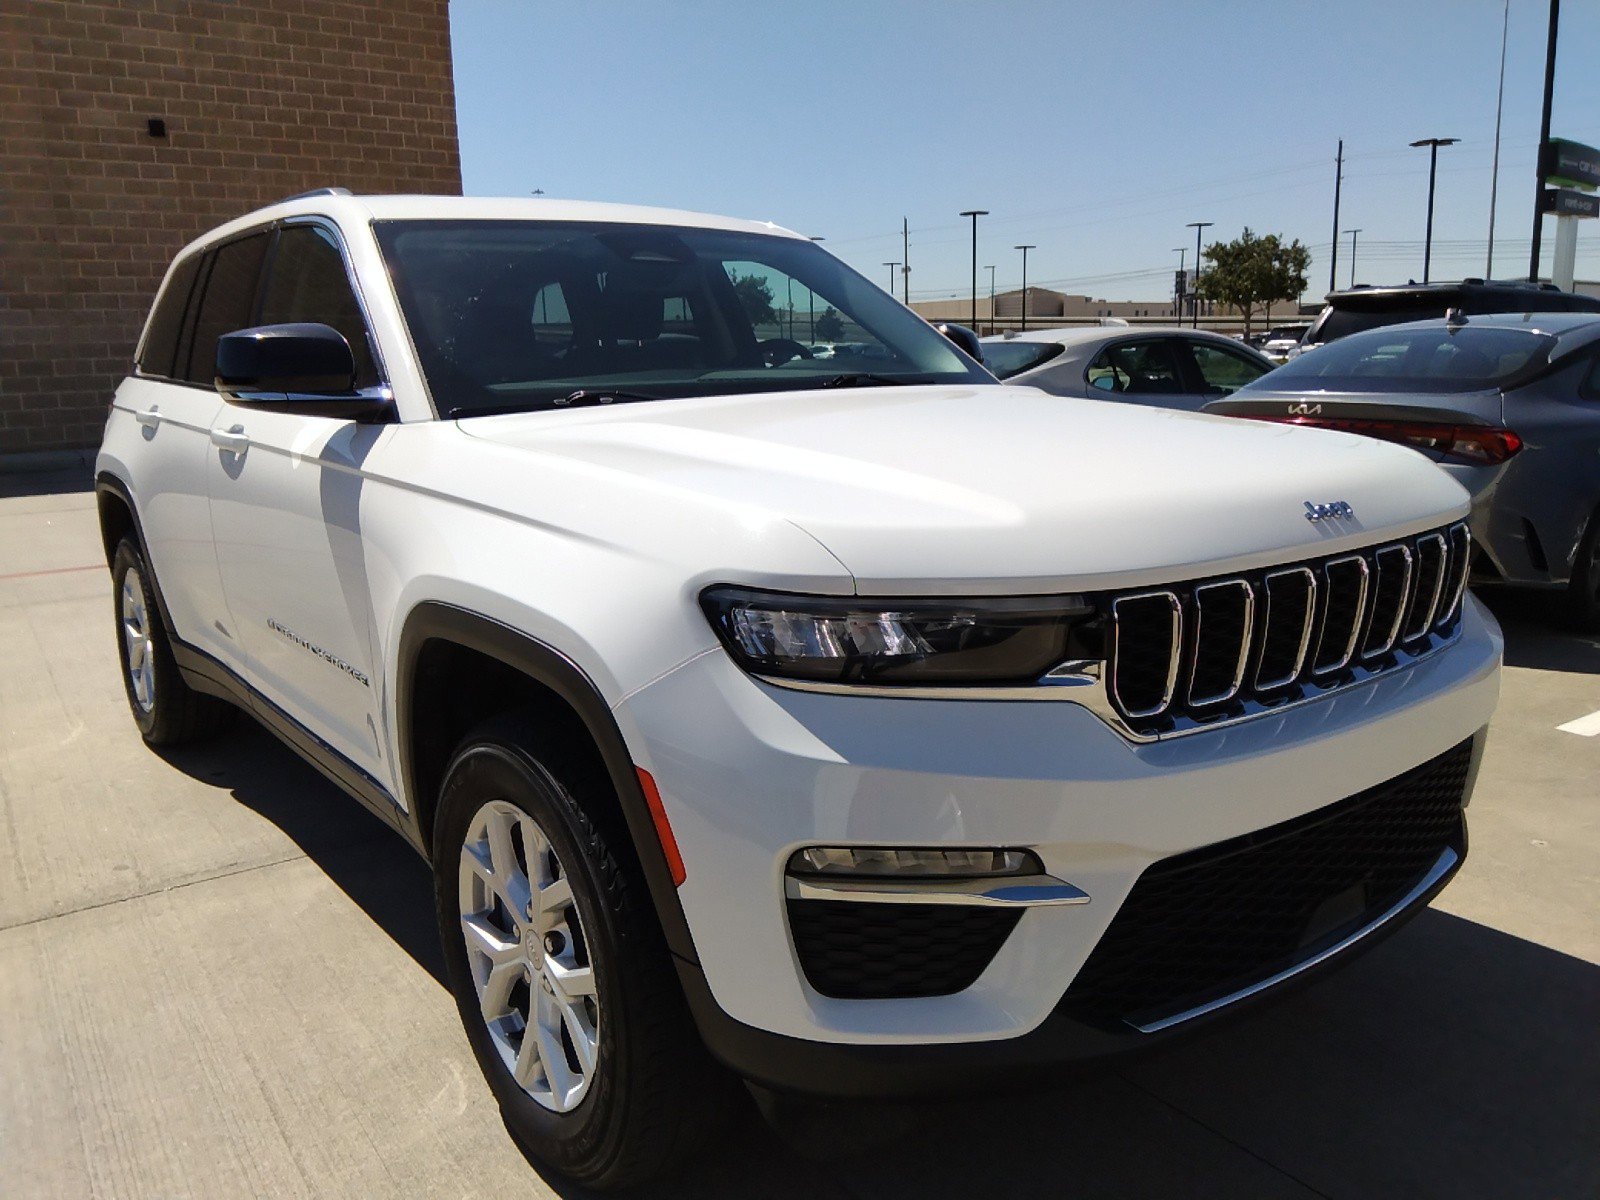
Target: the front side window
(1143, 368)
(228, 301)
(308, 282)
(519, 315)
(1223, 370)
(1429, 358)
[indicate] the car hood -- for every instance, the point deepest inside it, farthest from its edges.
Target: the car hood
(950, 489)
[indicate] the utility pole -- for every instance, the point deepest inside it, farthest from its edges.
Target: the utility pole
(1499, 107)
(1025, 250)
(891, 266)
(975, 213)
(905, 262)
(1433, 145)
(1352, 233)
(990, 268)
(1198, 227)
(1180, 283)
(1338, 182)
(1544, 139)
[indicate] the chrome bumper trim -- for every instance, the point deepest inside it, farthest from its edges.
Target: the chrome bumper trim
(1446, 863)
(1010, 891)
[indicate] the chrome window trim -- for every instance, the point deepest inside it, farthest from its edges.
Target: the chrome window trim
(1244, 642)
(1308, 622)
(1174, 659)
(1447, 862)
(1357, 626)
(1405, 599)
(1010, 891)
(1421, 628)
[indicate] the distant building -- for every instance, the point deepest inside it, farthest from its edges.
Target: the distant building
(1046, 307)
(131, 127)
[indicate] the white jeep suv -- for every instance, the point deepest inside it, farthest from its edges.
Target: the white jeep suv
(857, 726)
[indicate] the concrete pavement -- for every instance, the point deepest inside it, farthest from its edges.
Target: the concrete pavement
(219, 976)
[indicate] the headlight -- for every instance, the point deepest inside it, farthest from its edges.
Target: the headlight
(901, 642)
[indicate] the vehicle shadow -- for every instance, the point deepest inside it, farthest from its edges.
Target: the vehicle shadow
(1538, 634)
(1453, 1060)
(54, 482)
(366, 859)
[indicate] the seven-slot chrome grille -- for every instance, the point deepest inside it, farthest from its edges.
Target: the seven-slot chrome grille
(1211, 650)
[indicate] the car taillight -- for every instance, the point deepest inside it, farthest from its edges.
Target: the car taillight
(1482, 444)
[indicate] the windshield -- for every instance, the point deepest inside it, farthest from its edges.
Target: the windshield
(1006, 359)
(515, 315)
(1427, 358)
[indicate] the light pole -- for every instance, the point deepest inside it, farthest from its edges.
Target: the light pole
(1433, 145)
(975, 213)
(990, 269)
(1182, 281)
(1544, 138)
(891, 266)
(1025, 249)
(1352, 233)
(1198, 227)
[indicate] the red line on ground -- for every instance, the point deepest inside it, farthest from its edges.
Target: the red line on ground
(54, 571)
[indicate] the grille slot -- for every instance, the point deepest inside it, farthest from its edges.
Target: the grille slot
(892, 951)
(1389, 592)
(1211, 650)
(1210, 921)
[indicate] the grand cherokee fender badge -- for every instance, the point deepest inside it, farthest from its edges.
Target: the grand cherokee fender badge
(331, 659)
(1302, 409)
(1334, 510)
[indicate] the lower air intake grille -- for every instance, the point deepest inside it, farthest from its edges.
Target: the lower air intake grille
(1206, 923)
(858, 951)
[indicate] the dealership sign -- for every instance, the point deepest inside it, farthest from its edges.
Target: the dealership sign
(1570, 164)
(1564, 202)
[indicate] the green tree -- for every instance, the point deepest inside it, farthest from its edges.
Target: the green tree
(755, 294)
(1253, 272)
(829, 327)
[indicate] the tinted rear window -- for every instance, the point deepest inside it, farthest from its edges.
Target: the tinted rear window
(1342, 322)
(166, 320)
(1006, 359)
(1428, 359)
(229, 301)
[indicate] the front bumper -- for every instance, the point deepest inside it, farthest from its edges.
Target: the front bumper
(749, 773)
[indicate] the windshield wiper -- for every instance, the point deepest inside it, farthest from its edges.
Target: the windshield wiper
(586, 396)
(866, 379)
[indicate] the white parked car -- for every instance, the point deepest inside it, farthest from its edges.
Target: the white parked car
(859, 732)
(1164, 367)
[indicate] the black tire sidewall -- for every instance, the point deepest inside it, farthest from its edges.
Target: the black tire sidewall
(128, 557)
(491, 768)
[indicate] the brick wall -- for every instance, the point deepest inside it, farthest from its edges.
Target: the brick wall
(260, 99)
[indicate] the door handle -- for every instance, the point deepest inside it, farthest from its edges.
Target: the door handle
(148, 417)
(234, 441)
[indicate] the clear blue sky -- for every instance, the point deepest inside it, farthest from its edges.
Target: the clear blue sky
(1095, 130)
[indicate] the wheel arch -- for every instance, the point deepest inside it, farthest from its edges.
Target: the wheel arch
(456, 668)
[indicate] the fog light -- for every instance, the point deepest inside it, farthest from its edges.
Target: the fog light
(889, 862)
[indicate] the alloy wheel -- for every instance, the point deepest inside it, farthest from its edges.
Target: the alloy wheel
(530, 962)
(137, 639)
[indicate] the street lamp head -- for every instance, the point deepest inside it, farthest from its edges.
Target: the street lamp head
(976, 212)
(1029, 246)
(818, 238)
(1435, 142)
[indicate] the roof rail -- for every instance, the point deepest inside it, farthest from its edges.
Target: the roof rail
(322, 191)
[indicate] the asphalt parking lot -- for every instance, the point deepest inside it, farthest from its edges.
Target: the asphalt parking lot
(219, 976)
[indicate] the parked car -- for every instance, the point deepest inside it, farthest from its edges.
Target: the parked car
(1281, 341)
(859, 732)
(1166, 368)
(1507, 404)
(1364, 307)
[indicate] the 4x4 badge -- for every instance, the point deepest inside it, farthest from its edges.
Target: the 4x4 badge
(1304, 410)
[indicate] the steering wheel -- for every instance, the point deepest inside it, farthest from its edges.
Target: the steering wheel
(779, 350)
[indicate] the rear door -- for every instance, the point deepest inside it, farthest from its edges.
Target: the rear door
(1144, 370)
(286, 511)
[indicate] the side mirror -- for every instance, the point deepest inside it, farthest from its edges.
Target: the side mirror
(302, 368)
(965, 340)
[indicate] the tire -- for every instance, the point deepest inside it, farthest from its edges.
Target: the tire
(1583, 590)
(167, 710)
(648, 1092)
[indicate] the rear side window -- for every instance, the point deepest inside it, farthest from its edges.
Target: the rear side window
(1222, 369)
(228, 302)
(160, 347)
(308, 282)
(1006, 359)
